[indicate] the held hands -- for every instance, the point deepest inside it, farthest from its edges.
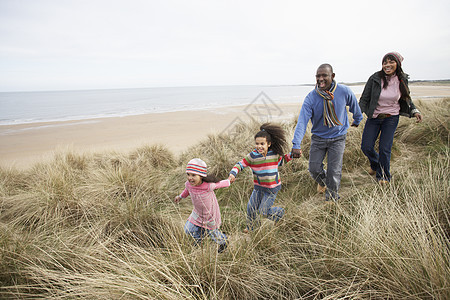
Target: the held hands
(231, 178)
(177, 199)
(296, 153)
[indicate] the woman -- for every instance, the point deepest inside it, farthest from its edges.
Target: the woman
(385, 97)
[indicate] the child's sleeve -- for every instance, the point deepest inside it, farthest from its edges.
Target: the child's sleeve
(222, 184)
(240, 166)
(284, 159)
(185, 193)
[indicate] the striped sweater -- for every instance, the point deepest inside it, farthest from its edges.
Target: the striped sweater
(264, 168)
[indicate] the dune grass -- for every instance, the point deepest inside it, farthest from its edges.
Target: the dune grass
(104, 226)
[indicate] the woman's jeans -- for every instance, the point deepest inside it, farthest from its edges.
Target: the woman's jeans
(261, 202)
(198, 233)
(385, 128)
(331, 177)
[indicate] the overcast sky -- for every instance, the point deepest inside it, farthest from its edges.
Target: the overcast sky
(89, 44)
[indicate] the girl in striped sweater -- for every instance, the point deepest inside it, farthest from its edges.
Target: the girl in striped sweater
(264, 161)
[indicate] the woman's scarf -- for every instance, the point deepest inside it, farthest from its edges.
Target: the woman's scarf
(329, 114)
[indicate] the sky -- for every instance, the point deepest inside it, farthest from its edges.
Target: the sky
(102, 44)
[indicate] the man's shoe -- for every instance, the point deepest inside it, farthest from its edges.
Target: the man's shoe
(371, 171)
(321, 189)
(383, 182)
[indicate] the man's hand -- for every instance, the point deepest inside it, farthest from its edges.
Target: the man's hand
(296, 153)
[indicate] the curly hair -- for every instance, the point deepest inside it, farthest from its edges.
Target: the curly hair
(275, 135)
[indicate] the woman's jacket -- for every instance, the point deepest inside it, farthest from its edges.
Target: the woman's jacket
(371, 93)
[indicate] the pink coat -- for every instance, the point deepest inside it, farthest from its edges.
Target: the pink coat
(206, 211)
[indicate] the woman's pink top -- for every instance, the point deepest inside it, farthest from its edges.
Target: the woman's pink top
(206, 211)
(389, 96)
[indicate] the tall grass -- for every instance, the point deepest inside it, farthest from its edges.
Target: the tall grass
(104, 226)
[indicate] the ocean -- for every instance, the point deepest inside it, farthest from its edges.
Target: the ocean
(52, 106)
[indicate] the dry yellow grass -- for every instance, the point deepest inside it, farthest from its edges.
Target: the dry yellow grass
(104, 226)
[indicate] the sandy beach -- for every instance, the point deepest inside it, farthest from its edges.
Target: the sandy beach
(23, 145)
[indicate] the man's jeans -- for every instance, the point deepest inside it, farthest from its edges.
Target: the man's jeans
(261, 201)
(381, 161)
(331, 177)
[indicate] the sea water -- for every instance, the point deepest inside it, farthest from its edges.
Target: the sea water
(52, 106)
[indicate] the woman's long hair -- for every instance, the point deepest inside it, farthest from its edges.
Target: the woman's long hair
(274, 135)
(402, 76)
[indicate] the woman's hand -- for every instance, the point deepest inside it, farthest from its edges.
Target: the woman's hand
(418, 117)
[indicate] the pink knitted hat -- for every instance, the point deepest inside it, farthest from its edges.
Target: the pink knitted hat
(196, 166)
(397, 56)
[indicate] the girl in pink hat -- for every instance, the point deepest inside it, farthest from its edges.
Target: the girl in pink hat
(205, 217)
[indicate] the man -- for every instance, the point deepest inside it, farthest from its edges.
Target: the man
(325, 106)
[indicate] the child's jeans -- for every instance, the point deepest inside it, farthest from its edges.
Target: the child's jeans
(198, 233)
(261, 201)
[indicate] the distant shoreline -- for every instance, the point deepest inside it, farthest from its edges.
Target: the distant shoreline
(23, 145)
(119, 114)
(60, 106)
